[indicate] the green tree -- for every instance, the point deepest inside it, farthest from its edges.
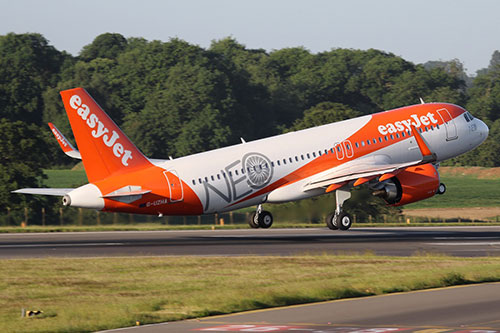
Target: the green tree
(23, 157)
(107, 45)
(324, 113)
(28, 65)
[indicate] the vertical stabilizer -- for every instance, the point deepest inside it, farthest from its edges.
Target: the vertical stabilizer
(104, 148)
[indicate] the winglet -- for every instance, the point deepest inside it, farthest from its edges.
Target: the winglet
(427, 155)
(66, 146)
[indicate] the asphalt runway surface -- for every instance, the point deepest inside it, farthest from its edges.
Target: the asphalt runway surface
(404, 241)
(464, 309)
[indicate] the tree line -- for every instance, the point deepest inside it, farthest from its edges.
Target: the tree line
(175, 98)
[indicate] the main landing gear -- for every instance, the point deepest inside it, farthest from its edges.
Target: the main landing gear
(339, 219)
(261, 218)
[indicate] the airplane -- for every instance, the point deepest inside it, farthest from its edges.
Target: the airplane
(395, 153)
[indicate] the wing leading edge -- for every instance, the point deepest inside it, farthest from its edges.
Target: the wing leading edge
(370, 167)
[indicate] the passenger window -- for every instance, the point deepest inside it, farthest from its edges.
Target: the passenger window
(319, 152)
(199, 180)
(290, 159)
(368, 142)
(236, 172)
(379, 139)
(278, 161)
(206, 179)
(403, 134)
(218, 176)
(397, 135)
(284, 161)
(194, 183)
(362, 143)
(392, 137)
(272, 164)
(374, 141)
(302, 157)
(314, 154)
(308, 156)
(326, 151)
(357, 145)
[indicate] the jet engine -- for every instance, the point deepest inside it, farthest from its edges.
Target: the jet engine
(410, 185)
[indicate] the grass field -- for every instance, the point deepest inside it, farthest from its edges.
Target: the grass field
(83, 295)
(464, 191)
(65, 178)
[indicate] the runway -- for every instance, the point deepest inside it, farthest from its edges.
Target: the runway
(404, 241)
(464, 309)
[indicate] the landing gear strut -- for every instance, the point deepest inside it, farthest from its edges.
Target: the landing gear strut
(339, 219)
(261, 218)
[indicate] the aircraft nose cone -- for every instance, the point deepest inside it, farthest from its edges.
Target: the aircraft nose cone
(483, 130)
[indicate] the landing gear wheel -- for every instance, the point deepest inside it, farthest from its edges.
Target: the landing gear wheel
(441, 188)
(331, 221)
(253, 222)
(344, 221)
(265, 219)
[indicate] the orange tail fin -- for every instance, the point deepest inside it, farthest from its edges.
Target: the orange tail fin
(104, 148)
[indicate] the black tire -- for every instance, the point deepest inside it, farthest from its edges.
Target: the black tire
(253, 222)
(441, 188)
(331, 222)
(344, 221)
(265, 219)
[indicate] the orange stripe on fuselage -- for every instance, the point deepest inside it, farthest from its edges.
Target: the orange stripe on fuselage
(370, 131)
(158, 201)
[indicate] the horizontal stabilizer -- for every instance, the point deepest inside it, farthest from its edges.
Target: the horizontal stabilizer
(66, 146)
(45, 191)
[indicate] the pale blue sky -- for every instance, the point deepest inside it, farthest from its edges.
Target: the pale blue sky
(416, 30)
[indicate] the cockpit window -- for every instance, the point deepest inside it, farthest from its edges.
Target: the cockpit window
(468, 117)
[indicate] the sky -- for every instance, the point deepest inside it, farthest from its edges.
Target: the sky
(418, 31)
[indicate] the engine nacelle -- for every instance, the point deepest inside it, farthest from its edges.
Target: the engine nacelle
(410, 185)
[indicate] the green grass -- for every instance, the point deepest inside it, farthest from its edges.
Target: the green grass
(83, 295)
(464, 191)
(65, 178)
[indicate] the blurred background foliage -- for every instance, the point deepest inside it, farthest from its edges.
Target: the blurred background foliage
(175, 98)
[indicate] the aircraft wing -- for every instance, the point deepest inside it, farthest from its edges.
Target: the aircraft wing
(45, 191)
(367, 168)
(66, 147)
